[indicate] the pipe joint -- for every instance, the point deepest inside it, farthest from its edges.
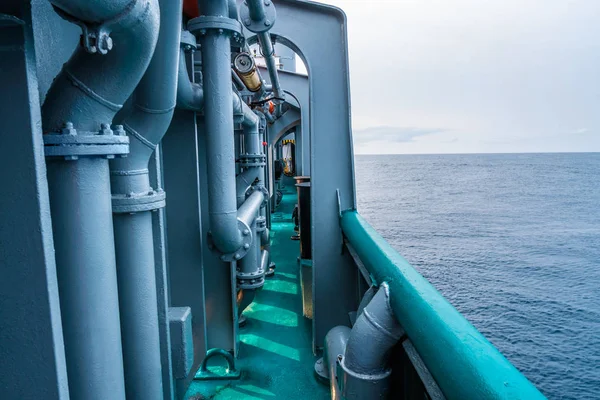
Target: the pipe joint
(71, 144)
(247, 238)
(199, 26)
(258, 15)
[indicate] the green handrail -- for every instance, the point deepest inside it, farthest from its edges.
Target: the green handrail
(463, 362)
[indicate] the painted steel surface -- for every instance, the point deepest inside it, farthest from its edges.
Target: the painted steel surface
(464, 363)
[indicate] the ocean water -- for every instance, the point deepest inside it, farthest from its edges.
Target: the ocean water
(512, 241)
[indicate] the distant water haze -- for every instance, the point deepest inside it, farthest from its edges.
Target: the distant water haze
(512, 241)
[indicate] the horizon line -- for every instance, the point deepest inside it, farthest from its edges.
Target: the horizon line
(476, 153)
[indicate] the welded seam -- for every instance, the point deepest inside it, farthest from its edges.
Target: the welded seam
(154, 111)
(139, 137)
(90, 93)
(130, 173)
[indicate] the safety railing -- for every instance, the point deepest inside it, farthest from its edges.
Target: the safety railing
(463, 363)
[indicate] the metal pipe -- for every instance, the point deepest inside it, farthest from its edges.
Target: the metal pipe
(264, 39)
(243, 181)
(218, 117)
(257, 9)
(374, 334)
(152, 112)
(190, 95)
(264, 258)
(257, 13)
(90, 88)
(470, 367)
(249, 209)
(88, 92)
(335, 345)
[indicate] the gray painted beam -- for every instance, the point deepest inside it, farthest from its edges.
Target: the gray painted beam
(31, 338)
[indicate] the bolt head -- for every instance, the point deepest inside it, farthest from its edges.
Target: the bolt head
(267, 3)
(246, 246)
(267, 22)
(246, 232)
(247, 22)
(220, 31)
(236, 256)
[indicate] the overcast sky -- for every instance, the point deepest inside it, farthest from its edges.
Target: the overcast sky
(468, 76)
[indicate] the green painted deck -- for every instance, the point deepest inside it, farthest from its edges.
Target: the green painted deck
(275, 356)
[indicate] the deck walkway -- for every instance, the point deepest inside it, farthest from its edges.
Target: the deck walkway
(275, 355)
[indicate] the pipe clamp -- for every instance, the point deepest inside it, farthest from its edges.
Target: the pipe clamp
(138, 202)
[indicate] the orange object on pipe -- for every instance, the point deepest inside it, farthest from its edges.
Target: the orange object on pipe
(190, 8)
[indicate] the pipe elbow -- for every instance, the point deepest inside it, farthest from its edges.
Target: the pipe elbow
(91, 89)
(374, 334)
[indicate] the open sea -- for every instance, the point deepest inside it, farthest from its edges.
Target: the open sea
(512, 241)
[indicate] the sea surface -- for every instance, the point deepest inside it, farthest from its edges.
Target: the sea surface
(512, 241)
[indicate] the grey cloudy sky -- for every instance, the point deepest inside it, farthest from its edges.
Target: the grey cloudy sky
(464, 76)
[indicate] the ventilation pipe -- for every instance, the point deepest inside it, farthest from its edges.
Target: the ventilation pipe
(81, 103)
(361, 371)
(133, 200)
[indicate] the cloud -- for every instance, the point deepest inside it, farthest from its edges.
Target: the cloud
(391, 134)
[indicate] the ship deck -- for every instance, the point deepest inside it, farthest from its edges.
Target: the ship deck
(275, 353)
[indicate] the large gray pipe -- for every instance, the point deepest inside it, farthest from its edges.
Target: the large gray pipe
(152, 111)
(218, 117)
(88, 92)
(365, 363)
(374, 334)
(91, 88)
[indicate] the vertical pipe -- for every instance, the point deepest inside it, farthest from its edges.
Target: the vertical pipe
(154, 102)
(218, 117)
(85, 256)
(139, 306)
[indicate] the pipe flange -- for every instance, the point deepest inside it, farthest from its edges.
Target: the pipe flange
(188, 41)
(246, 242)
(252, 160)
(71, 145)
(262, 25)
(261, 224)
(138, 202)
(263, 189)
(250, 280)
(201, 24)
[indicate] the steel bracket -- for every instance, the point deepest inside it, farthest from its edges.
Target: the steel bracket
(204, 374)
